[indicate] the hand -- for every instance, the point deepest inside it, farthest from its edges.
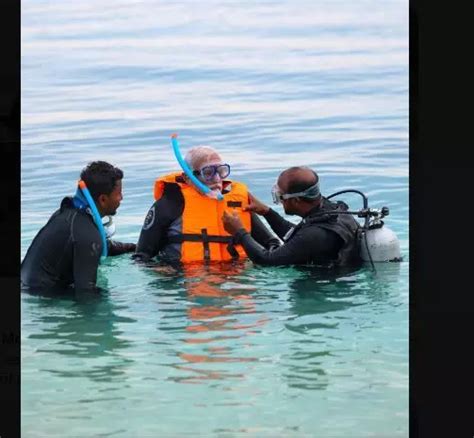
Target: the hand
(232, 222)
(256, 206)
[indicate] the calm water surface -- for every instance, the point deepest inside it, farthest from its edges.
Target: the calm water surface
(222, 351)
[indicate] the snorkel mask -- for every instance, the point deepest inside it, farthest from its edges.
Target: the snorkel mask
(189, 173)
(312, 192)
(208, 172)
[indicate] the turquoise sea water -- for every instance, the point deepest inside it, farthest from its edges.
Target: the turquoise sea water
(225, 351)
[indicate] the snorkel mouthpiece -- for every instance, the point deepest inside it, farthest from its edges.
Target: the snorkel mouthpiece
(202, 187)
(95, 216)
(109, 226)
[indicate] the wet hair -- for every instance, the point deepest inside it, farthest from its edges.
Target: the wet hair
(198, 154)
(298, 180)
(101, 178)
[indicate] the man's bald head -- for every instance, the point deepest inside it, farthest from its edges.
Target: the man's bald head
(297, 179)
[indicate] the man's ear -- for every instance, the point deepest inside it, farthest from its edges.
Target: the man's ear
(102, 199)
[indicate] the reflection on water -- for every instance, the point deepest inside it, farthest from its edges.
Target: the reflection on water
(219, 309)
(315, 298)
(321, 302)
(226, 328)
(80, 326)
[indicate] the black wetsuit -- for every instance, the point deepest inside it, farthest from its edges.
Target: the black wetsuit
(164, 220)
(66, 251)
(319, 239)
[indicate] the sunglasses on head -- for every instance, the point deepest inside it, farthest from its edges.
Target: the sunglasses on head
(208, 172)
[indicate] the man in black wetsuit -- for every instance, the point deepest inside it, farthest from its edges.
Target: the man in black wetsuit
(321, 238)
(66, 251)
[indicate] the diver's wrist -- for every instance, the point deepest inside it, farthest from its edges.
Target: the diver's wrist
(239, 235)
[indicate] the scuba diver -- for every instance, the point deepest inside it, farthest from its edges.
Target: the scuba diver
(184, 223)
(68, 249)
(328, 234)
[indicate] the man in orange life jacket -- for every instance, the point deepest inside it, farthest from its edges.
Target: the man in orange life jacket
(184, 225)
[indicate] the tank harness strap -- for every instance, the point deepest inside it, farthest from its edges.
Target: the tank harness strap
(322, 217)
(206, 239)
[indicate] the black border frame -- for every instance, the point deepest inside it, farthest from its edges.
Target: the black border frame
(10, 134)
(441, 297)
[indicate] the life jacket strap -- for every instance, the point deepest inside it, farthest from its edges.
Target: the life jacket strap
(206, 239)
(205, 244)
(180, 238)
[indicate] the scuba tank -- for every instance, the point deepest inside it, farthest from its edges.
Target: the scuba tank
(377, 242)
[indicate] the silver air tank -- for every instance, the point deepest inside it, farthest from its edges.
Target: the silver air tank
(383, 244)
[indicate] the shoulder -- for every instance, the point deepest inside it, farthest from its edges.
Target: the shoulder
(238, 185)
(172, 191)
(83, 226)
(171, 197)
(234, 188)
(165, 182)
(66, 203)
(319, 232)
(165, 209)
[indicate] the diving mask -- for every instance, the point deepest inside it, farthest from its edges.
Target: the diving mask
(207, 172)
(312, 192)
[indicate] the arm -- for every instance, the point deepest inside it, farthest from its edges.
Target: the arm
(151, 235)
(87, 247)
(157, 221)
(307, 245)
(279, 225)
(115, 248)
(261, 234)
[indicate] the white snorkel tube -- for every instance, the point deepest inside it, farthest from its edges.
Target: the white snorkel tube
(189, 173)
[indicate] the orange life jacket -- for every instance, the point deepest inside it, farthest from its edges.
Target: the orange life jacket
(203, 236)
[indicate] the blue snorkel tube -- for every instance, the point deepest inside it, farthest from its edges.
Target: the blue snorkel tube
(96, 217)
(189, 173)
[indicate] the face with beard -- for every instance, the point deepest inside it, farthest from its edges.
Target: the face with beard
(108, 204)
